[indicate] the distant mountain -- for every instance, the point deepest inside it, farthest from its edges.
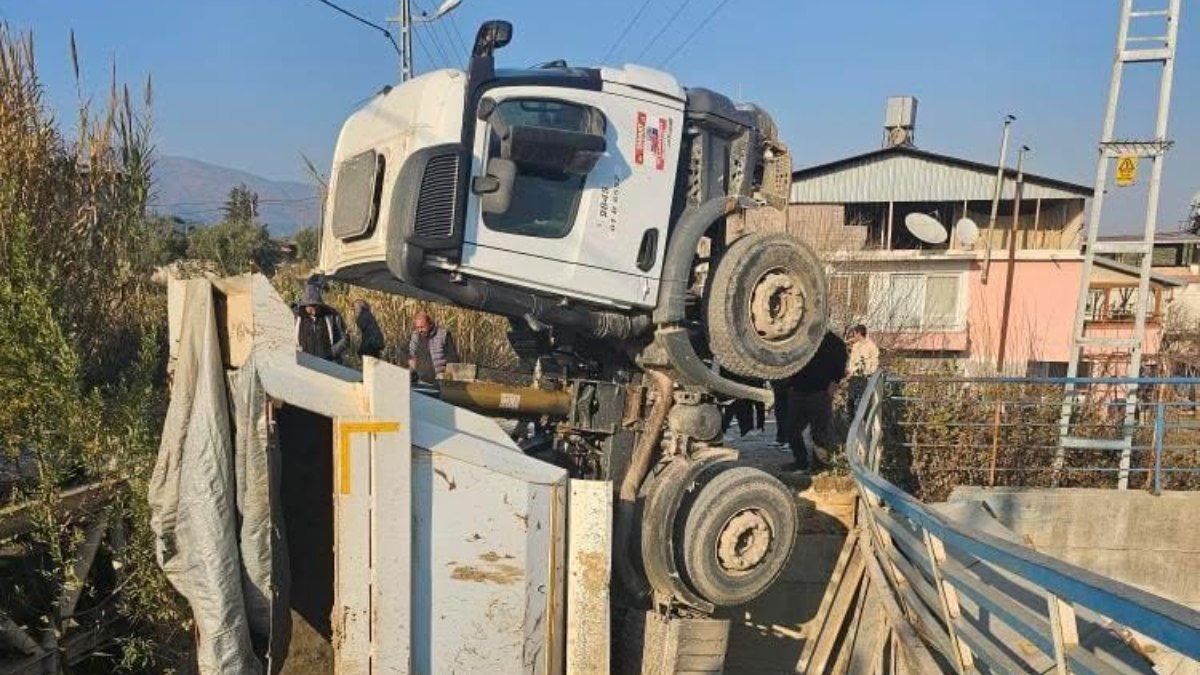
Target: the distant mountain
(195, 191)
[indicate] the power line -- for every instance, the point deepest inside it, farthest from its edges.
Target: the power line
(424, 49)
(437, 44)
(386, 33)
(462, 44)
(461, 55)
(448, 52)
(624, 32)
(665, 26)
(694, 33)
(437, 41)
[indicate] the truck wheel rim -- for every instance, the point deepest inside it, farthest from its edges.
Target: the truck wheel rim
(776, 305)
(744, 541)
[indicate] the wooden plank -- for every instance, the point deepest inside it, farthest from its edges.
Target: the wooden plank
(868, 647)
(818, 627)
(842, 662)
(836, 620)
(912, 650)
(17, 519)
(589, 572)
(84, 557)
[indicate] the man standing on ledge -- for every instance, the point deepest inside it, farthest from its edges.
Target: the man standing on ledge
(430, 348)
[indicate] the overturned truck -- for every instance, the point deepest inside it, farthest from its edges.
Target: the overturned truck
(589, 206)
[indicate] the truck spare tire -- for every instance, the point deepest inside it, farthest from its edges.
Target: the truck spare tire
(767, 306)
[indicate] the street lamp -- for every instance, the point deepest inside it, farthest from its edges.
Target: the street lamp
(445, 8)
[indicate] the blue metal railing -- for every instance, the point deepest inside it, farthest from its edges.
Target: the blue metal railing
(925, 556)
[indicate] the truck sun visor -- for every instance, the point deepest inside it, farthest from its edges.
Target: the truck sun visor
(572, 152)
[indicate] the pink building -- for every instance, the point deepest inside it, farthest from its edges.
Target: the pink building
(945, 304)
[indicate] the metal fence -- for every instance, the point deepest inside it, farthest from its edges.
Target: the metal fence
(1043, 432)
(983, 602)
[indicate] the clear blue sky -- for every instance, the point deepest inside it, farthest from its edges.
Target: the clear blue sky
(252, 84)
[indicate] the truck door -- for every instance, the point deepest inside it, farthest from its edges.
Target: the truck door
(598, 237)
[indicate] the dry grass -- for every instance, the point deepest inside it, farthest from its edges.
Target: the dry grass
(481, 338)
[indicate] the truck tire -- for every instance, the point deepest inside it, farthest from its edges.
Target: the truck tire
(738, 536)
(767, 306)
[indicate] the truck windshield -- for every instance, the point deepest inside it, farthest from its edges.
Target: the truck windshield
(544, 202)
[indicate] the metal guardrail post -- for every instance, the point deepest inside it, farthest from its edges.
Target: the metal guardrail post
(964, 661)
(1160, 430)
(1064, 630)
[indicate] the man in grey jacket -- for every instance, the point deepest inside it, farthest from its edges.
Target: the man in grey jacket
(430, 348)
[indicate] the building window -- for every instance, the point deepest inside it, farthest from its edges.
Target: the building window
(1046, 369)
(898, 302)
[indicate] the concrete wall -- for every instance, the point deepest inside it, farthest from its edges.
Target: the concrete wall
(1146, 541)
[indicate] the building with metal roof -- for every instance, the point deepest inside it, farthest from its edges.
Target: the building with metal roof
(904, 173)
(986, 295)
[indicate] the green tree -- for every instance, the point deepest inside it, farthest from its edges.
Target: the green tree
(308, 245)
(233, 246)
(241, 206)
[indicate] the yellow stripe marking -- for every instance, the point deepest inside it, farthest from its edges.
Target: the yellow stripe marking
(344, 430)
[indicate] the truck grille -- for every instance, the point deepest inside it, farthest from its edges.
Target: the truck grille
(438, 198)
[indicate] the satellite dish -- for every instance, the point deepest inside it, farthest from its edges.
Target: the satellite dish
(926, 228)
(968, 231)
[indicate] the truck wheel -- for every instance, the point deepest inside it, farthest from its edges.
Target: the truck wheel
(738, 535)
(767, 306)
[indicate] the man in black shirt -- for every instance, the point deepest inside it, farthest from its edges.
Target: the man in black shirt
(809, 401)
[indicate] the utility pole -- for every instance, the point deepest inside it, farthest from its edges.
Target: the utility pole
(996, 192)
(1012, 258)
(406, 65)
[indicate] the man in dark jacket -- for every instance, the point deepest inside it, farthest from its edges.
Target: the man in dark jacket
(319, 327)
(809, 402)
(370, 337)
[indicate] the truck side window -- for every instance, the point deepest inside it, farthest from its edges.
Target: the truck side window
(544, 202)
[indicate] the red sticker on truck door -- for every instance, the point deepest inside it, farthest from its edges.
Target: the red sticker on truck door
(660, 145)
(639, 139)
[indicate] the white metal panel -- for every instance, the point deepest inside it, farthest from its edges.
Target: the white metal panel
(905, 178)
(589, 573)
(420, 113)
(483, 587)
(352, 545)
(648, 79)
(391, 516)
(622, 199)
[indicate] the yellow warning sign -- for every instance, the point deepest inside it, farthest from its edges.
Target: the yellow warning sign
(1127, 170)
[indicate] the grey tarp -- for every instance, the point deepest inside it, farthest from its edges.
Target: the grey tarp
(210, 496)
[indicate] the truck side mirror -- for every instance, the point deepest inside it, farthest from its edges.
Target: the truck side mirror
(492, 35)
(495, 187)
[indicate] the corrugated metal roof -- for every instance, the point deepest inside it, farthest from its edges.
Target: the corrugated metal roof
(906, 174)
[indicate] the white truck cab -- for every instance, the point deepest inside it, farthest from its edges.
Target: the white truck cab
(574, 201)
